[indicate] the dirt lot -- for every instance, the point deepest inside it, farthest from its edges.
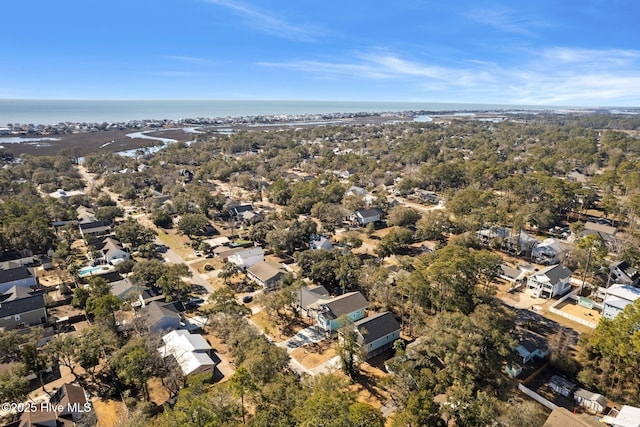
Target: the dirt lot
(109, 413)
(314, 355)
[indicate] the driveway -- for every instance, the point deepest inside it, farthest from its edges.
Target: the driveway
(309, 335)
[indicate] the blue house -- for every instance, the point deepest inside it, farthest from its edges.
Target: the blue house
(351, 304)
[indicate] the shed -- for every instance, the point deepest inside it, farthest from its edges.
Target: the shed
(561, 385)
(593, 401)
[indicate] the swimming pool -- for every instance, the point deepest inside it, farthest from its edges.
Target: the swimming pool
(84, 271)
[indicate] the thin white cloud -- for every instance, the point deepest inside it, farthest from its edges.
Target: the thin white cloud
(188, 59)
(268, 23)
(555, 76)
(506, 20)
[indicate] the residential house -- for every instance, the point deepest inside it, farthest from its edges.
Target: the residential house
(513, 275)
(617, 297)
(487, 235)
(549, 282)
(606, 232)
(627, 416)
(126, 290)
(351, 304)
(93, 228)
(561, 386)
(19, 276)
(191, 351)
(266, 273)
(21, 306)
(65, 195)
(224, 252)
(593, 401)
(623, 273)
(149, 295)
(307, 296)
(530, 346)
(237, 211)
(547, 252)
(576, 175)
(247, 257)
(366, 216)
(377, 333)
(361, 192)
(14, 259)
(69, 406)
(320, 242)
(110, 251)
(425, 196)
(160, 316)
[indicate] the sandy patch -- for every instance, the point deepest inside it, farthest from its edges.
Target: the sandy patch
(109, 413)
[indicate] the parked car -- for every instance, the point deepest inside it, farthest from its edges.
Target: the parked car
(247, 299)
(198, 289)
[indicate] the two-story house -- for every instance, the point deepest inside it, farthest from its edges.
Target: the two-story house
(329, 311)
(549, 282)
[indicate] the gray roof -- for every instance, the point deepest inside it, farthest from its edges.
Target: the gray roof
(266, 270)
(589, 395)
(123, 287)
(19, 300)
(371, 212)
(308, 295)
(156, 310)
(343, 304)
(555, 273)
(530, 340)
(14, 274)
(377, 326)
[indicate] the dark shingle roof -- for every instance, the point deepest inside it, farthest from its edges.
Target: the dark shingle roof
(18, 299)
(344, 304)
(15, 274)
(371, 212)
(555, 273)
(375, 327)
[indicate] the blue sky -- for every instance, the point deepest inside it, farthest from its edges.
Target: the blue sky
(542, 52)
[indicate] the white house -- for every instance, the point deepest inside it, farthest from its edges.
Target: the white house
(617, 297)
(549, 282)
(627, 416)
(247, 257)
(593, 401)
(622, 272)
(320, 242)
(112, 251)
(190, 351)
(366, 216)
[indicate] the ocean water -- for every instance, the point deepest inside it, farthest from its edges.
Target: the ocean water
(50, 111)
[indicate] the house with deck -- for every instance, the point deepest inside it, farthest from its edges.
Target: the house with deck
(329, 311)
(551, 281)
